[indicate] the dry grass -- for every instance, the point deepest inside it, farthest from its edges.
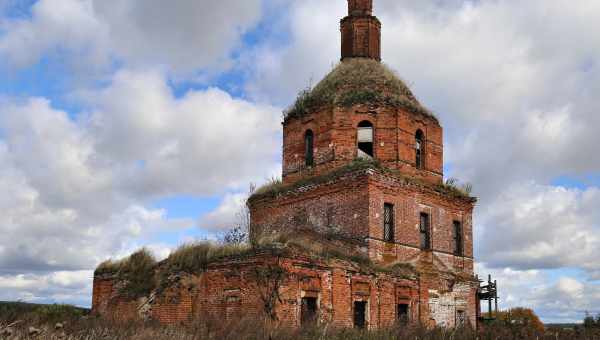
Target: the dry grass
(136, 272)
(273, 189)
(273, 185)
(89, 328)
(357, 81)
(195, 257)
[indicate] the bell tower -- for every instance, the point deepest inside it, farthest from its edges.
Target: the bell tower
(361, 31)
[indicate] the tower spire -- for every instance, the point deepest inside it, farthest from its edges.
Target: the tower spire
(361, 31)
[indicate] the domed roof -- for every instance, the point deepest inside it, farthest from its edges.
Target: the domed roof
(357, 81)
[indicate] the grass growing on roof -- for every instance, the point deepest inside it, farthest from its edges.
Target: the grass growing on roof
(273, 188)
(195, 257)
(136, 271)
(276, 187)
(356, 81)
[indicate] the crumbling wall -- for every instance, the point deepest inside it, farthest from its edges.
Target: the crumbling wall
(229, 291)
(335, 133)
(339, 207)
(450, 309)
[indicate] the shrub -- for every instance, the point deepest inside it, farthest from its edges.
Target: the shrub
(27, 312)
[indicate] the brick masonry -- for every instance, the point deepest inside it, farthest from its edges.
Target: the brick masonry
(342, 210)
(335, 131)
(229, 291)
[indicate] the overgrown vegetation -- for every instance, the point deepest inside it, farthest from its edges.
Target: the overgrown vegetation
(11, 312)
(136, 273)
(275, 187)
(268, 281)
(80, 327)
(356, 81)
(592, 322)
(453, 185)
(139, 274)
(194, 258)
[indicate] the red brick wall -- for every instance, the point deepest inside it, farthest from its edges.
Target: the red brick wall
(409, 202)
(360, 7)
(340, 207)
(101, 292)
(361, 32)
(352, 206)
(229, 291)
(335, 131)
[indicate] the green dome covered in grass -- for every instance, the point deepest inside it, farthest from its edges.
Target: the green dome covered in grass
(357, 81)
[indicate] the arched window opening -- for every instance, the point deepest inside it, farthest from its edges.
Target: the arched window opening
(420, 149)
(365, 140)
(309, 148)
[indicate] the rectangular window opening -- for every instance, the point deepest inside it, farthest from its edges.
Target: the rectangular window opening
(425, 231)
(460, 318)
(388, 222)
(360, 314)
(458, 239)
(402, 314)
(308, 311)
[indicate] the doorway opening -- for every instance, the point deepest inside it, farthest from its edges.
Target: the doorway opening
(402, 314)
(308, 311)
(360, 314)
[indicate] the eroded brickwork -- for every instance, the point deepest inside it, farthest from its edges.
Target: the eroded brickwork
(361, 31)
(352, 205)
(335, 131)
(229, 290)
(332, 203)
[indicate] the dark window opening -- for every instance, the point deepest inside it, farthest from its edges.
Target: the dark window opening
(309, 148)
(419, 149)
(425, 231)
(360, 313)
(388, 222)
(365, 140)
(309, 311)
(402, 316)
(458, 239)
(460, 318)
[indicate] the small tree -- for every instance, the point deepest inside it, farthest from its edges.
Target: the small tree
(240, 231)
(591, 322)
(268, 281)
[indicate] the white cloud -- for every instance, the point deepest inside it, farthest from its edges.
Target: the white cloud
(55, 25)
(79, 188)
(182, 36)
(226, 215)
(279, 72)
(531, 226)
(556, 296)
(203, 142)
(59, 287)
(185, 35)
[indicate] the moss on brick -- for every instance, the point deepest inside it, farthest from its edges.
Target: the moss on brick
(357, 81)
(273, 189)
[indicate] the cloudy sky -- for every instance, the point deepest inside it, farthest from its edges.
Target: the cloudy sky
(126, 123)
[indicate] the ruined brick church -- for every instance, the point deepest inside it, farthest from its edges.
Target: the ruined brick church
(363, 231)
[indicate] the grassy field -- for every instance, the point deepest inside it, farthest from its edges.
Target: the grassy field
(29, 321)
